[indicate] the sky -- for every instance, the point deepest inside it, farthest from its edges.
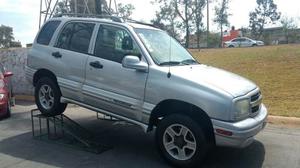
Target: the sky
(23, 15)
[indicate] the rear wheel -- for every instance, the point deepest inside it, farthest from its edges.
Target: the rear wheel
(47, 97)
(181, 141)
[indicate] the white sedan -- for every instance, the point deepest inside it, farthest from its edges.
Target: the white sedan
(243, 42)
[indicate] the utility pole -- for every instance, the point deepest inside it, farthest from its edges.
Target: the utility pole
(207, 35)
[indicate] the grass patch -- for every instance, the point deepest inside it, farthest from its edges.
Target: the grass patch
(275, 69)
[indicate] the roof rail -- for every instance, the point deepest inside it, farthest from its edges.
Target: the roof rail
(113, 18)
(142, 23)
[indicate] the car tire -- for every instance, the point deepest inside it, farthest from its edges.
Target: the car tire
(231, 46)
(187, 146)
(8, 111)
(254, 45)
(47, 97)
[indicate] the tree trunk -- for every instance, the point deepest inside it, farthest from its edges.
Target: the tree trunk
(221, 40)
(187, 39)
(187, 42)
(198, 37)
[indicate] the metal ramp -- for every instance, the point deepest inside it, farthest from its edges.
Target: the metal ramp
(63, 130)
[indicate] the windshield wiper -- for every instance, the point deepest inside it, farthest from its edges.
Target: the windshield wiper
(189, 62)
(170, 63)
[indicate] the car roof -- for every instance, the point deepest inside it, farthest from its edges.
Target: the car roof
(133, 24)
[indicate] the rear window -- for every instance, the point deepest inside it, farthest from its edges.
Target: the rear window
(47, 32)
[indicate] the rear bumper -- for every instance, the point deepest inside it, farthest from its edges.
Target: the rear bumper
(243, 132)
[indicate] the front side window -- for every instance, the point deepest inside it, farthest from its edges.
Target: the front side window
(47, 32)
(164, 49)
(76, 37)
(114, 44)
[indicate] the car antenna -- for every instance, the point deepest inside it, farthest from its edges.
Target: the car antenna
(169, 73)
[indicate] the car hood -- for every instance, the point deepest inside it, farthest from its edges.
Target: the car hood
(214, 77)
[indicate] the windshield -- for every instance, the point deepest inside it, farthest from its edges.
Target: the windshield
(163, 49)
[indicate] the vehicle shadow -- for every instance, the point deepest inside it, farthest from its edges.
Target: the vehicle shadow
(24, 103)
(131, 148)
(250, 157)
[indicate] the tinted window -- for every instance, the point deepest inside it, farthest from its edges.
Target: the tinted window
(76, 37)
(47, 32)
(114, 43)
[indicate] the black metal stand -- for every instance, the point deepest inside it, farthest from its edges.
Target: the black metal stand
(61, 129)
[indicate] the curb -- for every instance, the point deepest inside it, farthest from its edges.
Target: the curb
(287, 121)
(277, 120)
(24, 97)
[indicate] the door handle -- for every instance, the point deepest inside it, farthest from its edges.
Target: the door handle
(96, 65)
(56, 54)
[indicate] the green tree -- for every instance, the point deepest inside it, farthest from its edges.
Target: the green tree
(288, 27)
(6, 36)
(166, 19)
(221, 12)
(15, 44)
(185, 12)
(125, 10)
(198, 15)
(265, 13)
(180, 16)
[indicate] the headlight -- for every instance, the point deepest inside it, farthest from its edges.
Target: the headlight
(2, 96)
(242, 109)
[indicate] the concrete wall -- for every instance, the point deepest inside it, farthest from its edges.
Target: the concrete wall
(15, 60)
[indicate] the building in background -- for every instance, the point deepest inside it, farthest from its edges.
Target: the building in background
(229, 35)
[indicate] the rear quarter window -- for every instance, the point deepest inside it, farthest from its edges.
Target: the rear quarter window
(47, 32)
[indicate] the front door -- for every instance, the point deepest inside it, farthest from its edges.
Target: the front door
(108, 85)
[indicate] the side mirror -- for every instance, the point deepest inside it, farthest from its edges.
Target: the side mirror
(8, 74)
(133, 62)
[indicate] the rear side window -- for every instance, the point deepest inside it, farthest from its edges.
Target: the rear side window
(47, 32)
(76, 37)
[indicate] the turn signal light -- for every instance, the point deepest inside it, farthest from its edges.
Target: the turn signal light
(224, 132)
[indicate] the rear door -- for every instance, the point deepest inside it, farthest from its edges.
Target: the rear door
(108, 85)
(69, 56)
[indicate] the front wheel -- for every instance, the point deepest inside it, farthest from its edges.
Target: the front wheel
(181, 141)
(47, 97)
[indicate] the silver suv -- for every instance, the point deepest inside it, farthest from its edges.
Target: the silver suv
(139, 74)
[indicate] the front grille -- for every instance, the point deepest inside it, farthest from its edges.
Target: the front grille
(255, 96)
(255, 103)
(254, 109)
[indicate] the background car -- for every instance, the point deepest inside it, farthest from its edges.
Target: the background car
(6, 95)
(243, 42)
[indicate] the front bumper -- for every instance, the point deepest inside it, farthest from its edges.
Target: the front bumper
(243, 132)
(3, 107)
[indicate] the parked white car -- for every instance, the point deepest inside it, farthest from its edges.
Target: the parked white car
(243, 42)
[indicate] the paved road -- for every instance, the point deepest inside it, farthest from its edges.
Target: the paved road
(276, 147)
